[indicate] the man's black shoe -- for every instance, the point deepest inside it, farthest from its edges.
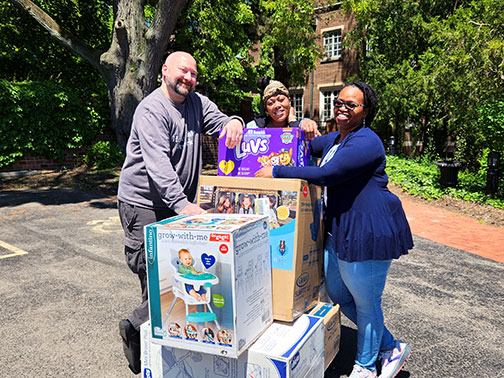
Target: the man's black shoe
(131, 344)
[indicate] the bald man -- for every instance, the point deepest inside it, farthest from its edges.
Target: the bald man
(160, 174)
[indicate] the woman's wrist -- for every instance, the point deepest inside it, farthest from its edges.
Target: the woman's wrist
(273, 171)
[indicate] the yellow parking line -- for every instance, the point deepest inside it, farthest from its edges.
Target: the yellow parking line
(16, 250)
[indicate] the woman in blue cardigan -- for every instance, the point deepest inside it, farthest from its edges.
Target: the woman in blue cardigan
(365, 225)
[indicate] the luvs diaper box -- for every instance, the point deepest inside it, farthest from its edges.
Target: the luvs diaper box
(261, 148)
(209, 281)
(284, 350)
(294, 216)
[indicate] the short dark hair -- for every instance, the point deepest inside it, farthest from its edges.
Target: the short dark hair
(370, 99)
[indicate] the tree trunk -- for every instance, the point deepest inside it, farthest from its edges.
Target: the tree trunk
(131, 65)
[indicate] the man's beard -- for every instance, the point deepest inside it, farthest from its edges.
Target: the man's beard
(180, 88)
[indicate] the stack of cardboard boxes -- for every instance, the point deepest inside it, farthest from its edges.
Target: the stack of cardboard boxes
(242, 309)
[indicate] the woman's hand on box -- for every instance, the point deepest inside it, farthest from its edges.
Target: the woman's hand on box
(265, 172)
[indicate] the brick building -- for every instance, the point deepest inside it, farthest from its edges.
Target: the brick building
(315, 99)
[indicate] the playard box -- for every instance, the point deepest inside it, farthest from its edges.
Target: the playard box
(209, 281)
(284, 350)
(261, 148)
(295, 232)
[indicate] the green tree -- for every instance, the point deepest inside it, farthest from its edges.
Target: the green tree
(131, 59)
(221, 35)
(434, 64)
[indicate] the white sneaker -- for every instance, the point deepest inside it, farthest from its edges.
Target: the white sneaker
(393, 360)
(360, 372)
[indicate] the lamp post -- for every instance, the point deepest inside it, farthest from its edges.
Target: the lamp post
(492, 173)
(392, 145)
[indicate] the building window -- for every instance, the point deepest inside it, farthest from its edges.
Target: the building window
(332, 44)
(297, 103)
(327, 98)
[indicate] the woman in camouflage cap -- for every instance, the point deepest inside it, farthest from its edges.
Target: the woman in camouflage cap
(276, 99)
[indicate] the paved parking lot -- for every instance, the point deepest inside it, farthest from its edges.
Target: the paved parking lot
(64, 286)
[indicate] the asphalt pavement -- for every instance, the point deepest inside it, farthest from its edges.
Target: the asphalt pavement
(64, 286)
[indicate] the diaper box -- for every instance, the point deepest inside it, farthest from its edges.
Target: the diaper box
(261, 148)
(285, 350)
(332, 329)
(294, 215)
(209, 281)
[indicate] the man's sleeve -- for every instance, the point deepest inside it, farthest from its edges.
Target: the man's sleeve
(154, 139)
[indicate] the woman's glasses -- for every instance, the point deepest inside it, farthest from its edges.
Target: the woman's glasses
(348, 105)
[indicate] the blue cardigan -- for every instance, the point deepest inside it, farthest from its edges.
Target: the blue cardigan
(366, 220)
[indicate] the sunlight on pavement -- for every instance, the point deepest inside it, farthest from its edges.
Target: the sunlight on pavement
(111, 225)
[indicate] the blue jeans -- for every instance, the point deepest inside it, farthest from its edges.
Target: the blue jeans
(357, 287)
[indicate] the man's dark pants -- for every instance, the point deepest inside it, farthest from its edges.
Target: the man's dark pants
(133, 219)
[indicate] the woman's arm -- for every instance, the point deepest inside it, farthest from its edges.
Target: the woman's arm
(360, 153)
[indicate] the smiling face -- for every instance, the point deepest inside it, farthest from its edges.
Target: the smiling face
(278, 107)
(179, 76)
(349, 119)
(185, 258)
(246, 202)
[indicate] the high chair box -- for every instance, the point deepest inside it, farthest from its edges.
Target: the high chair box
(294, 213)
(209, 281)
(332, 329)
(261, 148)
(285, 350)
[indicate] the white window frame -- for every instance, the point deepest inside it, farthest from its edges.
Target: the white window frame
(327, 97)
(332, 39)
(297, 102)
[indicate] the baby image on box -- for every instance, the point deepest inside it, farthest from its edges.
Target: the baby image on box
(225, 203)
(246, 203)
(186, 267)
(271, 202)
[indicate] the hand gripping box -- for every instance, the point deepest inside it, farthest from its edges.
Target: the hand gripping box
(209, 281)
(261, 148)
(294, 212)
(285, 350)
(332, 329)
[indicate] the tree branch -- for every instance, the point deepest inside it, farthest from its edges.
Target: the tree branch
(478, 24)
(59, 34)
(164, 22)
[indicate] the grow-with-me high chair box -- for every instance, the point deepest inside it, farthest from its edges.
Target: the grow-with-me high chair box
(209, 281)
(294, 213)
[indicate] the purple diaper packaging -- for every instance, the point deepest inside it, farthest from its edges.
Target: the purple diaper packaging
(262, 148)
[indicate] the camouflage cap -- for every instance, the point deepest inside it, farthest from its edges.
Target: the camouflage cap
(274, 88)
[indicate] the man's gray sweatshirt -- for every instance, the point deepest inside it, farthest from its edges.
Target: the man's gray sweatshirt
(164, 150)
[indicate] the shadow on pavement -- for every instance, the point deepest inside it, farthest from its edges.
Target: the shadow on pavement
(54, 196)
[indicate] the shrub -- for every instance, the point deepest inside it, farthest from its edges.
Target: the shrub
(43, 118)
(421, 178)
(104, 155)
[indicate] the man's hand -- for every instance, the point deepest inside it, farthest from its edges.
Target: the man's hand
(192, 209)
(233, 132)
(265, 172)
(310, 128)
(292, 115)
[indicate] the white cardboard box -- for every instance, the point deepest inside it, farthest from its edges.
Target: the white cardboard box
(289, 350)
(233, 304)
(285, 350)
(332, 329)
